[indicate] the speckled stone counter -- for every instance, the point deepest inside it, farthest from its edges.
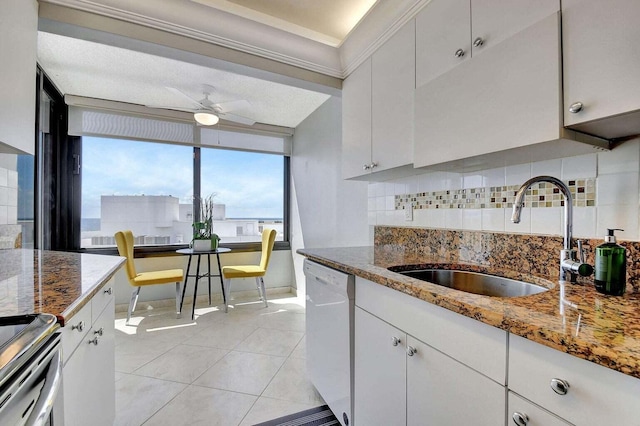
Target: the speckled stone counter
(602, 329)
(58, 283)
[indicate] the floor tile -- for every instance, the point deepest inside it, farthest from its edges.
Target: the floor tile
(221, 335)
(183, 363)
(300, 351)
(284, 320)
(271, 342)
(291, 384)
(268, 409)
(204, 406)
(242, 372)
(133, 354)
(138, 398)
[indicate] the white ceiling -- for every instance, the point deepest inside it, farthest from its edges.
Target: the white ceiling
(89, 69)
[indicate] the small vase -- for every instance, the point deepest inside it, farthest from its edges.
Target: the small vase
(201, 245)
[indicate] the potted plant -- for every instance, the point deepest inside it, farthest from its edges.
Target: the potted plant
(203, 236)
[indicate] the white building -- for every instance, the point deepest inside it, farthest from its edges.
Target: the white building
(162, 219)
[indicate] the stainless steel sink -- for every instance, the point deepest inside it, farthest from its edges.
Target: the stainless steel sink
(475, 282)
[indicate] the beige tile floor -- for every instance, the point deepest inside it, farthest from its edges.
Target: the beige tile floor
(239, 368)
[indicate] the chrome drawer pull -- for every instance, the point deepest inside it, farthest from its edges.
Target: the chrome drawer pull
(559, 386)
(108, 291)
(99, 332)
(94, 341)
(395, 341)
(411, 351)
(521, 419)
(79, 326)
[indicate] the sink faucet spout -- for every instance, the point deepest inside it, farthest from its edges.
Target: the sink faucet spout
(568, 261)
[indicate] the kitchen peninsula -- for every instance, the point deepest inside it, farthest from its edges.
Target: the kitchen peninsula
(492, 344)
(77, 289)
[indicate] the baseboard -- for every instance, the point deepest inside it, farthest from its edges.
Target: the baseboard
(216, 298)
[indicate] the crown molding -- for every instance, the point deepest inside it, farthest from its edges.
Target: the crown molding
(238, 34)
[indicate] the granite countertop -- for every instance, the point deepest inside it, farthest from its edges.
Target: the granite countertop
(58, 283)
(599, 328)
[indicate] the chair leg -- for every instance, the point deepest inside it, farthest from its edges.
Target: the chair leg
(227, 286)
(178, 315)
(132, 303)
(261, 291)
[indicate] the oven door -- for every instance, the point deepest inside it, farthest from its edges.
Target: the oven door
(28, 396)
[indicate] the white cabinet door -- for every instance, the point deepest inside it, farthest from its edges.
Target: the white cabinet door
(18, 44)
(508, 97)
(380, 372)
(496, 20)
(442, 29)
(520, 408)
(89, 375)
(442, 391)
(393, 82)
(601, 59)
(356, 121)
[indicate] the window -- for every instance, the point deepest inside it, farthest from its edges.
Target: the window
(149, 187)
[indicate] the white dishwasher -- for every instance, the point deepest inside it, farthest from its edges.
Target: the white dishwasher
(329, 323)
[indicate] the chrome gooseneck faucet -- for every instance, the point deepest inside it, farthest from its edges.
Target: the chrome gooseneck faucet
(569, 262)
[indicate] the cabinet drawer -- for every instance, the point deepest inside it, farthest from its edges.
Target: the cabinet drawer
(74, 331)
(102, 299)
(596, 394)
(477, 345)
(537, 416)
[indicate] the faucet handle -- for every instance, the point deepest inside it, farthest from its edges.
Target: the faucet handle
(581, 252)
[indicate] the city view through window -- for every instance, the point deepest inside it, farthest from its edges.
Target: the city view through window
(148, 188)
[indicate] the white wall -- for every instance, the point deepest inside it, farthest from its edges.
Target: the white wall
(330, 211)
(617, 175)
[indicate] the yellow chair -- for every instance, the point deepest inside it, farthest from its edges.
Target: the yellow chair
(252, 271)
(124, 240)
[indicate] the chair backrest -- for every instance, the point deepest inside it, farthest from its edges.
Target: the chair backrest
(124, 241)
(268, 239)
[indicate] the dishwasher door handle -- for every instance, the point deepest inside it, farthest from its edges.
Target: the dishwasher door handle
(321, 280)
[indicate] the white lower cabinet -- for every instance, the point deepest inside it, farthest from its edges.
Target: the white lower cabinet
(380, 372)
(401, 380)
(578, 391)
(89, 370)
(442, 391)
(525, 413)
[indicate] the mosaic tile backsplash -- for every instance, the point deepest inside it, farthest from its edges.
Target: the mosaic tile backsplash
(536, 255)
(541, 194)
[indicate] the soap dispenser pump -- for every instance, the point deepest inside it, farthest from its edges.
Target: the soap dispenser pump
(611, 266)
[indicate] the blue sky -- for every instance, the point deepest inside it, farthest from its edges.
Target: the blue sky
(249, 184)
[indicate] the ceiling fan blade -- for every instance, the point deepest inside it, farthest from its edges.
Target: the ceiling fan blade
(174, 108)
(232, 105)
(185, 96)
(237, 119)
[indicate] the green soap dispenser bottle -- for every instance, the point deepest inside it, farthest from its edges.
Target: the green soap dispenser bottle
(611, 266)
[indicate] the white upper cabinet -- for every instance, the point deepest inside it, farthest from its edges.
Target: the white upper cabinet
(449, 32)
(356, 121)
(443, 38)
(602, 66)
(377, 108)
(393, 71)
(18, 44)
(506, 98)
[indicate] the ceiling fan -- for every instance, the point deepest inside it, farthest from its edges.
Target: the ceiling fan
(207, 112)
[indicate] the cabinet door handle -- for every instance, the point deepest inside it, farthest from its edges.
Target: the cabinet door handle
(108, 291)
(575, 107)
(395, 341)
(459, 53)
(478, 42)
(521, 419)
(79, 326)
(559, 386)
(366, 167)
(411, 351)
(99, 332)
(94, 341)
(373, 165)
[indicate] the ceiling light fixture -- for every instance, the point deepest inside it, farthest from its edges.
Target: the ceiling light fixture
(206, 118)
